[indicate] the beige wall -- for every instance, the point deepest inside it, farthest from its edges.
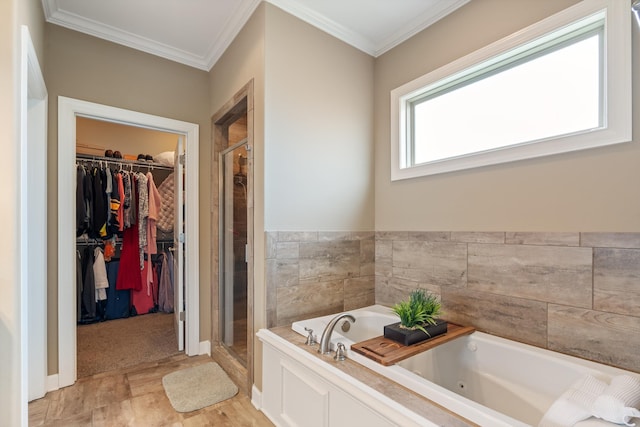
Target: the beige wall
(319, 112)
(242, 62)
(13, 14)
(87, 68)
(584, 191)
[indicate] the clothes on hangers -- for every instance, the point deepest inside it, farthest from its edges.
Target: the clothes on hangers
(113, 203)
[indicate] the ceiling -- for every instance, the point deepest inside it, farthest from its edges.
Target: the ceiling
(197, 32)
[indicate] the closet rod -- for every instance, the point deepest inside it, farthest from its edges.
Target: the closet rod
(87, 241)
(110, 160)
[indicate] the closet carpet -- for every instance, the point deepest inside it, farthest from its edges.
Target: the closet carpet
(120, 343)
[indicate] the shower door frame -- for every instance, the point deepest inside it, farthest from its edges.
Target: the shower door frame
(240, 104)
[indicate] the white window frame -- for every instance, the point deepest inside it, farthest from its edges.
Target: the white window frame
(617, 97)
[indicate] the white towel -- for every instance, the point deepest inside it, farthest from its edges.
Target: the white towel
(575, 404)
(100, 275)
(619, 401)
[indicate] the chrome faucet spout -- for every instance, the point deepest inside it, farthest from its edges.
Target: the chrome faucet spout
(325, 341)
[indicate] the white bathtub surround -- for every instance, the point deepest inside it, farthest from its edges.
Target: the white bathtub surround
(303, 388)
(488, 380)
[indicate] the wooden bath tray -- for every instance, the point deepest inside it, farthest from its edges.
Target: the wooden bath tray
(388, 352)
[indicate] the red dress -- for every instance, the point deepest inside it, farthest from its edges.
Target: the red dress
(129, 271)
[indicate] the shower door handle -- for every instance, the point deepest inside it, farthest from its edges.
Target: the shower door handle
(246, 253)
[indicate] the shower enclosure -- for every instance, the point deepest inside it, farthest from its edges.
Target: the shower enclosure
(234, 257)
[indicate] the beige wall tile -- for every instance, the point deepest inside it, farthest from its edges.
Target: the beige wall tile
(363, 235)
(271, 238)
(287, 250)
(309, 300)
(442, 264)
(604, 337)
(327, 236)
(282, 272)
(477, 237)
(548, 239)
(367, 257)
(616, 281)
(610, 240)
(297, 236)
(514, 318)
(544, 273)
(430, 236)
(359, 292)
(392, 235)
(323, 261)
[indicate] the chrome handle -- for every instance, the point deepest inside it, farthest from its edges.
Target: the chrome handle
(311, 339)
(341, 353)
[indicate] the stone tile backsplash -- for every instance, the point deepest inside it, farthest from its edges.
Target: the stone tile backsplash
(312, 274)
(576, 293)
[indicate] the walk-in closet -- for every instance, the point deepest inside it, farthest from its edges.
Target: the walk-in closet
(126, 207)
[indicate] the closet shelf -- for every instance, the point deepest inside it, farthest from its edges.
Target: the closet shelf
(123, 162)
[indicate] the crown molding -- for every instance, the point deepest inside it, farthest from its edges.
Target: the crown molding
(233, 26)
(231, 29)
(419, 23)
(360, 42)
(327, 25)
(205, 62)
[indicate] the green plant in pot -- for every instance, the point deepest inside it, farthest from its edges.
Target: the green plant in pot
(418, 319)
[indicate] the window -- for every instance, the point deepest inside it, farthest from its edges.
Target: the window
(564, 86)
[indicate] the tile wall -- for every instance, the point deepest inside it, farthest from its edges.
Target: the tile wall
(576, 293)
(313, 274)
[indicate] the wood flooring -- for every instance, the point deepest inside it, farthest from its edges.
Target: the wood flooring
(135, 397)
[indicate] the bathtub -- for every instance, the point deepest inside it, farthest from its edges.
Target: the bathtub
(488, 380)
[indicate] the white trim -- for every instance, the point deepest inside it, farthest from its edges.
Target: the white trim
(357, 40)
(33, 222)
(204, 61)
(68, 109)
(256, 397)
(205, 348)
(53, 382)
(618, 94)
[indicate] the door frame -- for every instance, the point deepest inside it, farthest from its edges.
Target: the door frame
(68, 109)
(220, 121)
(33, 223)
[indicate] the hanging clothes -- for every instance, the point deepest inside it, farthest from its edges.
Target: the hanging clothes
(99, 212)
(100, 275)
(88, 309)
(118, 301)
(165, 285)
(129, 271)
(143, 300)
(153, 211)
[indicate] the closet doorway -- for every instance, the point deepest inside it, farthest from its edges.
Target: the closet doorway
(132, 320)
(186, 235)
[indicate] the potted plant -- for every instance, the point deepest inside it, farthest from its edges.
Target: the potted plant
(418, 319)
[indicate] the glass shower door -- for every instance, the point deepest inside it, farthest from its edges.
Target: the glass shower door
(233, 296)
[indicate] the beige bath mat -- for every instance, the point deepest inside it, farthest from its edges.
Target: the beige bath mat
(197, 387)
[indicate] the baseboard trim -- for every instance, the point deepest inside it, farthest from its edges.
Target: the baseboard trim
(205, 348)
(256, 397)
(52, 383)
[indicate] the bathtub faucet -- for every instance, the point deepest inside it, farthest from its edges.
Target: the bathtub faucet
(325, 341)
